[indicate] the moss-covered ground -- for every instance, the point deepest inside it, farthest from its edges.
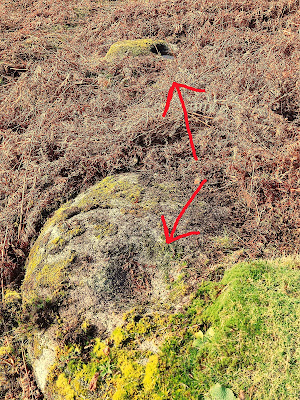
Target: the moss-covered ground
(241, 333)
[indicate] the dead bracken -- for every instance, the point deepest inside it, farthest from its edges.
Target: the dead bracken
(70, 117)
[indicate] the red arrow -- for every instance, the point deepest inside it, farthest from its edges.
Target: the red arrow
(177, 86)
(170, 238)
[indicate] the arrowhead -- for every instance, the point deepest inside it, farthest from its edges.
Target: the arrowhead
(169, 98)
(170, 237)
(177, 86)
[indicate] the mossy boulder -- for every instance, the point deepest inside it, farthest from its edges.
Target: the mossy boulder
(98, 256)
(136, 48)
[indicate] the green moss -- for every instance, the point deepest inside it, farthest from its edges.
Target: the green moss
(251, 321)
(64, 389)
(151, 373)
(135, 48)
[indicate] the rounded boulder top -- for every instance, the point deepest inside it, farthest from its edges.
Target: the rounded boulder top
(105, 251)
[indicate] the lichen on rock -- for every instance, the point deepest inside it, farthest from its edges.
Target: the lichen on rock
(101, 254)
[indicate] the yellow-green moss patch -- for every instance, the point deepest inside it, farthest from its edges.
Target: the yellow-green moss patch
(105, 229)
(151, 373)
(56, 244)
(42, 274)
(136, 48)
(64, 390)
(11, 296)
(68, 232)
(129, 383)
(108, 193)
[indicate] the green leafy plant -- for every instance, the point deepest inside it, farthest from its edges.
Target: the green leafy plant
(219, 392)
(106, 369)
(202, 338)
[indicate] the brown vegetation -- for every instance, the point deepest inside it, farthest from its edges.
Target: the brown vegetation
(69, 118)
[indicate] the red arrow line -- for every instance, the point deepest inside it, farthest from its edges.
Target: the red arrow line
(169, 98)
(170, 238)
(189, 87)
(187, 123)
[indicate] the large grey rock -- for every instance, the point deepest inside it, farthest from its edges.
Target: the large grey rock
(103, 253)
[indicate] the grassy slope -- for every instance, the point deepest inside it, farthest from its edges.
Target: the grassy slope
(68, 118)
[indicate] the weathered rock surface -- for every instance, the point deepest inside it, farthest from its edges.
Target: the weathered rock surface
(101, 254)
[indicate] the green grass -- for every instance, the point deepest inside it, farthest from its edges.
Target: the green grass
(255, 321)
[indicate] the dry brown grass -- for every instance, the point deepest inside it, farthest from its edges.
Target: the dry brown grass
(67, 118)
